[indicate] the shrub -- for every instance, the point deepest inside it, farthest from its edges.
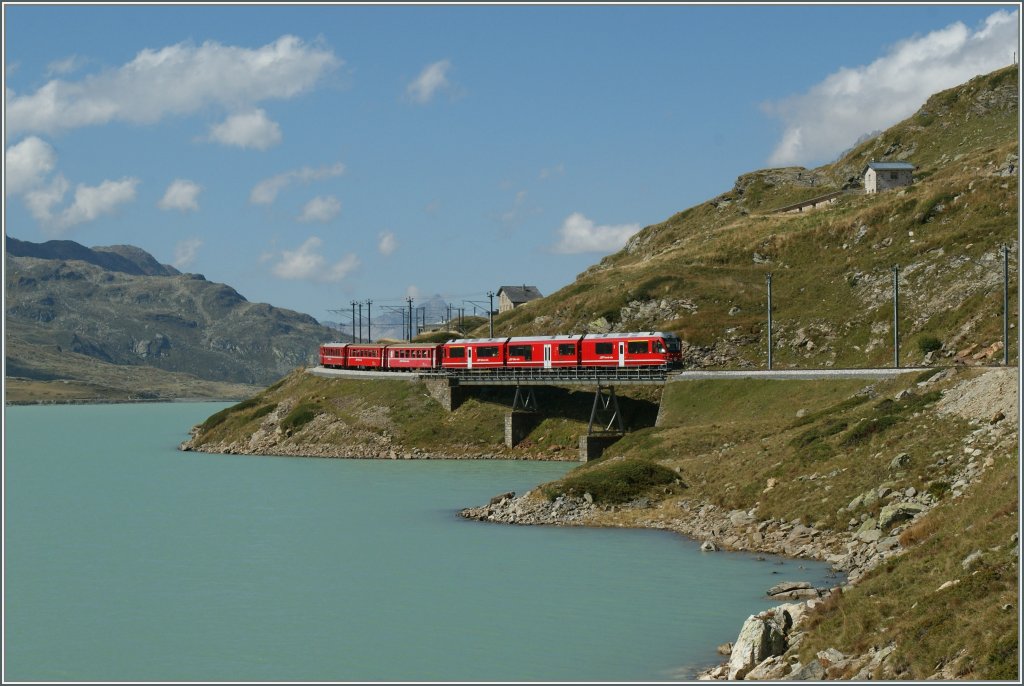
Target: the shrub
(264, 411)
(216, 419)
(829, 428)
(869, 427)
(928, 344)
(303, 414)
(614, 482)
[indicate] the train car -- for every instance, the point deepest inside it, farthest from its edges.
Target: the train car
(543, 352)
(412, 356)
(365, 356)
(474, 353)
(332, 355)
(641, 349)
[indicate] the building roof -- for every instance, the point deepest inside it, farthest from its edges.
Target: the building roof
(889, 166)
(520, 294)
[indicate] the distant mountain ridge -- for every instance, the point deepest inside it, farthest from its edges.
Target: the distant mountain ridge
(119, 305)
(116, 258)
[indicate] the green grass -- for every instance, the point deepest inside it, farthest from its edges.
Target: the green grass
(614, 482)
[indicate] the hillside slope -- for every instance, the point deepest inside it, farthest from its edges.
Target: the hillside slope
(117, 305)
(702, 272)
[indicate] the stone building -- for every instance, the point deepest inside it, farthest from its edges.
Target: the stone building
(879, 176)
(511, 297)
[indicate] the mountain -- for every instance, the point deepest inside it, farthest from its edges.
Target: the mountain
(117, 305)
(702, 272)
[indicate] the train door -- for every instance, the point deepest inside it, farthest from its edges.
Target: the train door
(547, 356)
(622, 353)
(469, 357)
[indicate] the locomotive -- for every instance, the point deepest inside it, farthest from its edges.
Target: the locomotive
(651, 349)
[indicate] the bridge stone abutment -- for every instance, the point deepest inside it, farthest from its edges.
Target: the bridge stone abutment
(592, 446)
(446, 391)
(518, 426)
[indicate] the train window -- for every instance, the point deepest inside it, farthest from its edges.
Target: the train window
(523, 351)
(659, 347)
(638, 347)
(456, 353)
(567, 349)
(487, 351)
(673, 345)
(603, 348)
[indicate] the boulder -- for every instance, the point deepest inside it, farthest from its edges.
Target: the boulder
(769, 670)
(784, 586)
(897, 512)
(708, 547)
(812, 671)
(761, 637)
(899, 462)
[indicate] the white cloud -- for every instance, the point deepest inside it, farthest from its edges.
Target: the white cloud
(65, 66)
(265, 192)
(247, 130)
(833, 114)
(579, 234)
(181, 195)
(306, 263)
(175, 80)
(387, 244)
(185, 252)
(27, 164)
(433, 79)
(322, 209)
(551, 172)
(89, 203)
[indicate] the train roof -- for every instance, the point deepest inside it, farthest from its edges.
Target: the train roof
(335, 344)
(562, 337)
(413, 345)
(632, 334)
(466, 341)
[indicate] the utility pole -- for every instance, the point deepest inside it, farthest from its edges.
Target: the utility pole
(769, 320)
(896, 316)
(369, 321)
(1006, 306)
(353, 321)
(490, 314)
(360, 305)
(408, 299)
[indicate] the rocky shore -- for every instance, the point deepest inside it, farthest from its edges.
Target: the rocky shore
(767, 644)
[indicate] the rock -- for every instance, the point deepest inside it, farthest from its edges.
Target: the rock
(888, 543)
(812, 671)
(708, 547)
(725, 649)
(948, 584)
(785, 586)
(910, 492)
(904, 394)
(899, 462)
(773, 668)
(997, 417)
(770, 484)
(589, 498)
(801, 413)
(761, 637)
(869, 535)
(971, 559)
(830, 656)
(498, 498)
(897, 512)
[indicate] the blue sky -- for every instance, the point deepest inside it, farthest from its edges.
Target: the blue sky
(312, 155)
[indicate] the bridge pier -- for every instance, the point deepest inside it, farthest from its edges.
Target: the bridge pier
(592, 446)
(518, 426)
(446, 391)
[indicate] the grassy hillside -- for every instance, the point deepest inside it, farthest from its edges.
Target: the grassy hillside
(802, 452)
(702, 272)
(305, 414)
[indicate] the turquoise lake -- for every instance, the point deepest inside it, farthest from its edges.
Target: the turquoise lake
(128, 560)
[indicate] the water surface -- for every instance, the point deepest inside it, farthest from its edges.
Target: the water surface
(129, 560)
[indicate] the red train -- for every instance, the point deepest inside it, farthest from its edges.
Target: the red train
(647, 349)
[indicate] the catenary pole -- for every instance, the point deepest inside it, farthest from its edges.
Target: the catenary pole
(769, 321)
(896, 316)
(1006, 306)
